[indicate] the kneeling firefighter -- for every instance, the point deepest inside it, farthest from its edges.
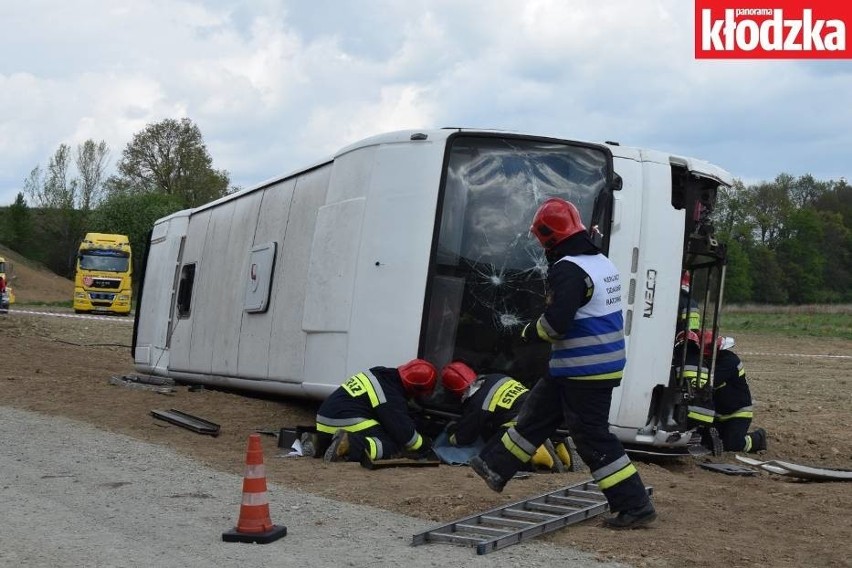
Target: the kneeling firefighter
(367, 416)
(490, 406)
(732, 399)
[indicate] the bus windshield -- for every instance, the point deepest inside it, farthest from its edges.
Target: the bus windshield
(488, 272)
(105, 260)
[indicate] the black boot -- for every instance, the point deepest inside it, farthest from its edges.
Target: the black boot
(632, 518)
(710, 439)
(308, 441)
(758, 440)
(491, 477)
(339, 448)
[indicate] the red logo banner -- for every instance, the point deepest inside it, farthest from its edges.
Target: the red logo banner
(772, 29)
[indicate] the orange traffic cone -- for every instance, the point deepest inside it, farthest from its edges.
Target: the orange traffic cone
(254, 524)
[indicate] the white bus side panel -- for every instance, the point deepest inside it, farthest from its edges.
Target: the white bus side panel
(394, 257)
(232, 268)
(153, 315)
(183, 326)
(655, 306)
(218, 273)
(256, 328)
(331, 272)
(623, 250)
(331, 278)
(288, 340)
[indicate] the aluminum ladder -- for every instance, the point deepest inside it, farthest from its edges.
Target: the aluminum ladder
(520, 521)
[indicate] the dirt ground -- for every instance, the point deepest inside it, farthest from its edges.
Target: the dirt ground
(62, 366)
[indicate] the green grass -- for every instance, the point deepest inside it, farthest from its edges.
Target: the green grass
(787, 321)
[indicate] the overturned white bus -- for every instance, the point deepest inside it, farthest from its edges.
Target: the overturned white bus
(416, 244)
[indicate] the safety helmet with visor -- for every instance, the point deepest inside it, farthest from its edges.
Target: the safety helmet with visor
(555, 220)
(418, 377)
(456, 377)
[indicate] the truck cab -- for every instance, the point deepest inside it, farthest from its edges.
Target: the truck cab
(102, 282)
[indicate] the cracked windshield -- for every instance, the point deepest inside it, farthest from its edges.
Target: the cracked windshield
(488, 276)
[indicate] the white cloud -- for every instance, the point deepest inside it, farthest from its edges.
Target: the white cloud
(275, 85)
(398, 107)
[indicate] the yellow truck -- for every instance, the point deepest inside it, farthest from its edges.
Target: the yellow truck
(102, 282)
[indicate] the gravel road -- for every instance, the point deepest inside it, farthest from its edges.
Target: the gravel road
(73, 495)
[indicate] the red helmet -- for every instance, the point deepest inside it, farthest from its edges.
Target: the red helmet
(418, 377)
(456, 377)
(685, 281)
(690, 336)
(708, 342)
(555, 221)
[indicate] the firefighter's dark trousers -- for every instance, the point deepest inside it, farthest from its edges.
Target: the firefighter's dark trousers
(733, 433)
(585, 411)
(374, 442)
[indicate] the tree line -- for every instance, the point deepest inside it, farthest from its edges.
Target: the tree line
(789, 240)
(165, 168)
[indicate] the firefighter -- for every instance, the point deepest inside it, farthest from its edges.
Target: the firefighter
(732, 399)
(583, 322)
(688, 311)
(490, 404)
(690, 366)
(368, 414)
(4, 295)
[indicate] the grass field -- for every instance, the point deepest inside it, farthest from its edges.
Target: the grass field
(812, 321)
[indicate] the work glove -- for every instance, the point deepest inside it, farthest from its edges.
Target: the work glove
(543, 459)
(567, 453)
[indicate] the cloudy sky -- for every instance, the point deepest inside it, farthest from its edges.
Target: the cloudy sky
(275, 85)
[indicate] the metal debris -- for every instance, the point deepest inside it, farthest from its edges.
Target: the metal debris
(156, 384)
(800, 471)
(188, 421)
